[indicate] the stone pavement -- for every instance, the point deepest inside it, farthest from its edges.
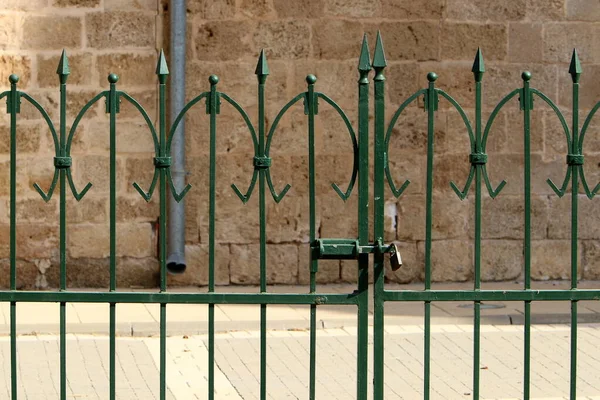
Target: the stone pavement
(237, 349)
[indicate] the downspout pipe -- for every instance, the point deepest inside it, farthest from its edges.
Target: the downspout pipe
(176, 216)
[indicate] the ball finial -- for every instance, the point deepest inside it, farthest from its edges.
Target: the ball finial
(432, 77)
(526, 76)
(13, 79)
(213, 79)
(311, 79)
(113, 78)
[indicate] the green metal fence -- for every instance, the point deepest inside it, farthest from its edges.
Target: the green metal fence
(358, 248)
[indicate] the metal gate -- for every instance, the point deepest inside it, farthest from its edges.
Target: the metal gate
(358, 248)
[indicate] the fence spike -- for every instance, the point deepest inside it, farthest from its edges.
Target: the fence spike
(379, 60)
(478, 66)
(262, 68)
(63, 69)
(364, 61)
(162, 69)
(575, 67)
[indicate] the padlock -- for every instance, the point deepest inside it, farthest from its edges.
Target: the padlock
(395, 258)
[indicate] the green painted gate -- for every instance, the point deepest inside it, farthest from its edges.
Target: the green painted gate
(358, 248)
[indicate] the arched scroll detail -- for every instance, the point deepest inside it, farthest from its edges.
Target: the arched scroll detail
(397, 192)
(589, 193)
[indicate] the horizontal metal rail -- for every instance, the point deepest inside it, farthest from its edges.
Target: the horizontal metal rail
(493, 295)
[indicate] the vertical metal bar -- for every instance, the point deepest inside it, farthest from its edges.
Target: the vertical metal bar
(575, 71)
(213, 102)
(314, 264)
(112, 108)
(163, 72)
(63, 74)
(431, 104)
(364, 67)
(13, 100)
(379, 63)
(526, 103)
(478, 70)
(262, 71)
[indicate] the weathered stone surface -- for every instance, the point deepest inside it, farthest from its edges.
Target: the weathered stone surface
(283, 39)
(451, 260)
(561, 38)
(24, 4)
(136, 209)
(401, 81)
(449, 168)
(8, 32)
(299, 9)
(26, 274)
(147, 99)
(149, 5)
(282, 264)
(329, 270)
(411, 9)
(336, 39)
(95, 169)
(546, 9)
(335, 79)
(484, 10)
(590, 265)
(211, 36)
(449, 220)
(37, 210)
(551, 259)
(77, 3)
(51, 32)
(588, 95)
(349, 271)
(92, 240)
(500, 80)
(352, 8)
(196, 257)
(288, 221)
(28, 139)
(412, 266)
(37, 240)
(256, 8)
(502, 217)
(120, 29)
(582, 10)
(501, 260)
(460, 41)
(530, 50)
(132, 69)
(20, 65)
(79, 63)
(89, 209)
(132, 137)
(415, 40)
(559, 226)
(212, 9)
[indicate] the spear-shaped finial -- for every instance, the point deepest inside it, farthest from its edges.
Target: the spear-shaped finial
(63, 69)
(162, 70)
(262, 68)
(379, 60)
(364, 61)
(575, 67)
(478, 66)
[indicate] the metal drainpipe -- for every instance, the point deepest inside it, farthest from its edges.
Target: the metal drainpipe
(176, 240)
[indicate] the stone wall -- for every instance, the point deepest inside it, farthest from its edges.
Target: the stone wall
(300, 37)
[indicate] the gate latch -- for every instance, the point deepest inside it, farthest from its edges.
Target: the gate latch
(395, 258)
(348, 249)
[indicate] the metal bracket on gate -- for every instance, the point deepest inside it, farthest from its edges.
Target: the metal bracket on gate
(349, 249)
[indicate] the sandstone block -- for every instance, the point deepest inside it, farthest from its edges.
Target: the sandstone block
(352, 8)
(148, 5)
(454, 78)
(455, 139)
(20, 65)
(482, 10)
(299, 9)
(561, 38)
(450, 168)
(283, 39)
(136, 209)
(559, 226)
(256, 8)
(92, 240)
(81, 70)
(36, 210)
(529, 50)
(546, 9)
(551, 259)
(449, 220)
(133, 69)
(147, 99)
(77, 3)
(590, 265)
(451, 260)
(89, 209)
(582, 10)
(26, 274)
(407, 9)
(416, 40)
(28, 139)
(51, 32)
(461, 41)
(132, 137)
(37, 240)
(501, 260)
(211, 36)
(8, 32)
(24, 4)
(502, 217)
(118, 29)
(329, 270)
(402, 80)
(349, 271)
(282, 264)
(196, 274)
(95, 169)
(288, 221)
(336, 39)
(588, 95)
(211, 9)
